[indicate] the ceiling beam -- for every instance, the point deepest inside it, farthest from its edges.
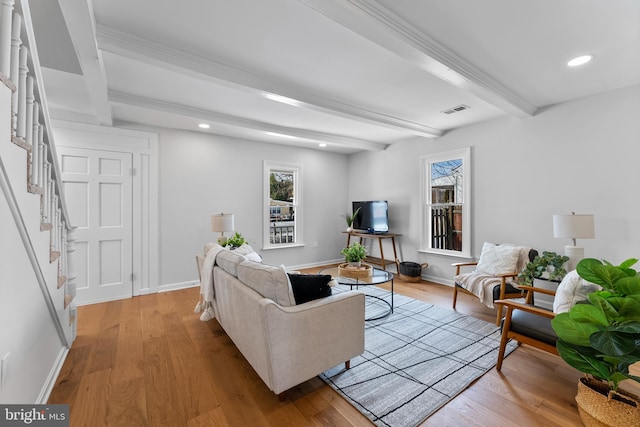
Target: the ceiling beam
(196, 66)
(79, 18)
(381, 26)
(226, 119)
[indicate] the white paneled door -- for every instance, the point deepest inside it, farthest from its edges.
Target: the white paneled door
(98, 192)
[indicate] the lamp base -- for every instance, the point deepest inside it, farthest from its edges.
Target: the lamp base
(575, 254)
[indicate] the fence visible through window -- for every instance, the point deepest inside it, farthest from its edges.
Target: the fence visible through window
(446, 226)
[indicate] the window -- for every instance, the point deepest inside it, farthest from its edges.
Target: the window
(446, 202)
(282, 209)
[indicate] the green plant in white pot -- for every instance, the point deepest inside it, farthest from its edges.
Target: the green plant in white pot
(350, 219)
(549, 266)
(602, 338)
(355, 253)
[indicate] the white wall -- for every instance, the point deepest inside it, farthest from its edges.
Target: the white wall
(204, 174)
(579, 156)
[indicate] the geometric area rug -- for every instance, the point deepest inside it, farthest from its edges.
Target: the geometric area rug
(415, 360)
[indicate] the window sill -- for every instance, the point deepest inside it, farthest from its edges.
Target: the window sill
(451, 254)
(283, 246)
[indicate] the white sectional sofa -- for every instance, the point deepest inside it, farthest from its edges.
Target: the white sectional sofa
(285, 343)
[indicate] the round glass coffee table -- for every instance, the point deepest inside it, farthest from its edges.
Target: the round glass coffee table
(378, 277)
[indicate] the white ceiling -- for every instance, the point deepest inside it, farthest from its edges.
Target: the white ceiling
(362, 73)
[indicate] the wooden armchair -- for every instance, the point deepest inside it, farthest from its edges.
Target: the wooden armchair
(527, 323)
(504, 288)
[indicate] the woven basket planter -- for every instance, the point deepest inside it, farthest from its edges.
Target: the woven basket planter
(598, 410)
(346, 270)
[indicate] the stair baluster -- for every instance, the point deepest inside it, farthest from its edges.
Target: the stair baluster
(6, 14)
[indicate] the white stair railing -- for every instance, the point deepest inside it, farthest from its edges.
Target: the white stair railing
(31, 130)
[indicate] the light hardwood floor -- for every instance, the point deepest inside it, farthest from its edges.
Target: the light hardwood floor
(150, 361)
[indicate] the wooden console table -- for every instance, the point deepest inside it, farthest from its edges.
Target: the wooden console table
(380, 237)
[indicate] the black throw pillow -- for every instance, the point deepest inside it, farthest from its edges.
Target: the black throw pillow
(307, 287)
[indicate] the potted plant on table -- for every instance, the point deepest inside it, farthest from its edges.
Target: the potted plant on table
(350, 219)
(235, 241)
(549, 266)
(602, 338)
(354, 254)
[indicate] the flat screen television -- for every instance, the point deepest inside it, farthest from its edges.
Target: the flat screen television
(373, 216)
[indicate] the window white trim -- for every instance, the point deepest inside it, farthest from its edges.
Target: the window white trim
(296, 170)
(426, 203)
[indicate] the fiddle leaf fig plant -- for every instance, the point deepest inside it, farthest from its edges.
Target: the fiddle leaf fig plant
(602, 336)
(549, 266)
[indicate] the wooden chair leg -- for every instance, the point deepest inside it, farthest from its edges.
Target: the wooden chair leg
(347, 364)
(455, 295)
(504, 339)
(498, 314)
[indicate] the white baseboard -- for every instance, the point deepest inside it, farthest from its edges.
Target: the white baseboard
(175, 286)
(43, 397)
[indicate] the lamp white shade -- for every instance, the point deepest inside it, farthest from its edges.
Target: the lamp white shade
(573, 226)
(222, 222)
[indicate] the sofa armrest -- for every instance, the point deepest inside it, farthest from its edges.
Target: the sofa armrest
(307, 339)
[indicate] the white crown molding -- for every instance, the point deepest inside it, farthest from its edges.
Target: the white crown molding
(196, 66)
(226, 119)
(383, 27)
(79, 18)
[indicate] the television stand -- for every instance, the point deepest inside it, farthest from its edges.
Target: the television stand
(380, 237)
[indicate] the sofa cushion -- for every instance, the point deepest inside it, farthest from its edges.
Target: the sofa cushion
(308, 287)
(228, 260)
(267, 280)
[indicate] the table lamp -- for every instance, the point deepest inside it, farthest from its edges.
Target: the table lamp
(573, 227)
(220, 223)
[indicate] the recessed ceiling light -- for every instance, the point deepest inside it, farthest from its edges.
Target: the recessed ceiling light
(204, 126)
(282, 99)
(580, 60)
(322, 144)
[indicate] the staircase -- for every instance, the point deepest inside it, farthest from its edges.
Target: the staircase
(30, 179)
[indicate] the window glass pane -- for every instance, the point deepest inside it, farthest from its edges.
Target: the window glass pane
(446, 182)
(282, 206)
(446, 227)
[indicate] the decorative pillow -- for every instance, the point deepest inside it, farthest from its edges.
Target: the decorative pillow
(572, 290)
(248, 253)
(308, 287)
(498, 259)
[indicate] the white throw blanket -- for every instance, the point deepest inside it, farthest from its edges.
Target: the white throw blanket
(206, 285)
(481, 284)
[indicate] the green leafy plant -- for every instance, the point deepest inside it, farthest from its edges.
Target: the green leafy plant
(354, 253)
(549, 266)
(351, 218)
(602, 337)
(235, 241)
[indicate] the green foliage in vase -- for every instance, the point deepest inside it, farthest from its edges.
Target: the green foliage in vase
(235, 241)
(549, 266)
(351, 218)
(354, 253)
